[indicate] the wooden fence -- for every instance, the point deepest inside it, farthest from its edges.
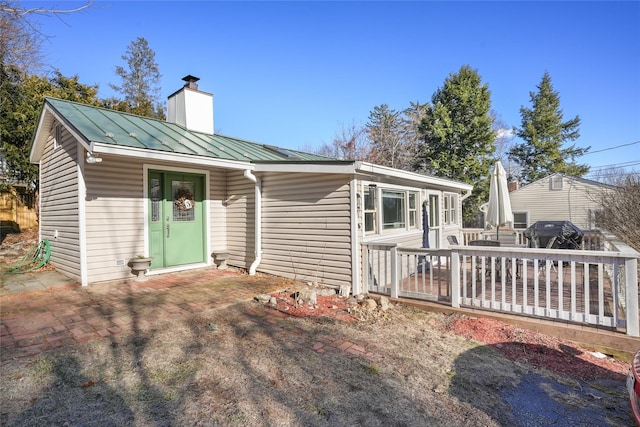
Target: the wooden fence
(17, 211)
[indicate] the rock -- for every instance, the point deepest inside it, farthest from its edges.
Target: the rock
(326, 292)
(361, 297)
(273, 302)
(307, 296)
(263, 298)
(369, 304)
(345, 290)
(352, 301)
(384, 303)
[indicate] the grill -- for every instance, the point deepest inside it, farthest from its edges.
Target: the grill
(554, 235)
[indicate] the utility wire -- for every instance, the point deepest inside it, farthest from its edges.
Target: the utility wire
(611, 148)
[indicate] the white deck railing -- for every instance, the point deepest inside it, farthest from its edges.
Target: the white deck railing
(589, 287)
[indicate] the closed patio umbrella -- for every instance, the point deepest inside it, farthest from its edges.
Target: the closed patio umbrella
(499, 206)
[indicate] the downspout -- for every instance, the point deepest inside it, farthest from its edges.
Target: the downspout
(355, 238)
(258, 220)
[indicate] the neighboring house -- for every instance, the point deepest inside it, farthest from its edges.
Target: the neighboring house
(114, 185)
(557, 197)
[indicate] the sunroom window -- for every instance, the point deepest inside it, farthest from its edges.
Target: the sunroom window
(387, 209)
(393, 209)
(450, 209)
(370, 217)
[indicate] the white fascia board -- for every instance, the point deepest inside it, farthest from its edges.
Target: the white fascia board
(371, 169)
(141, 153)
(311, 167)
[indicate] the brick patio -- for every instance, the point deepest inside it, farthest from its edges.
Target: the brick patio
(34, 321)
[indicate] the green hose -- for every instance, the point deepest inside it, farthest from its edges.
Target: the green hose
(37, 257)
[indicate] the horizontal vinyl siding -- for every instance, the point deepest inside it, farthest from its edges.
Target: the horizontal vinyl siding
(218, 211)
(59, 204)
(572, 203)
(240, 220)
(306, 227)
(114, 216)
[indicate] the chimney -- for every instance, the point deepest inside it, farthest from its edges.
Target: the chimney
(190, 107)
(513, 185)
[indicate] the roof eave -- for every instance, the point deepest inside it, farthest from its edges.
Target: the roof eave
(155, 155)
(444, 183)
(48, 115)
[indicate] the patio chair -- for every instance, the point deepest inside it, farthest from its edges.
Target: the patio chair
(492, 243)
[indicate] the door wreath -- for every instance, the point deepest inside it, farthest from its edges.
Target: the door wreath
(185, 200)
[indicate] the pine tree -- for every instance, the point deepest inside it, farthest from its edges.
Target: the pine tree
(543, 133)
(457, 136)
(140, 81)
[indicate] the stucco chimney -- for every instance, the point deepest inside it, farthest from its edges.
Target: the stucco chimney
(191, 107)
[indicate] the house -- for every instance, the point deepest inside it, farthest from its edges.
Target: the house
(115, 185)
(557, 197)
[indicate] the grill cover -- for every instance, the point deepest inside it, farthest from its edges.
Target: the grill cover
(542, 234)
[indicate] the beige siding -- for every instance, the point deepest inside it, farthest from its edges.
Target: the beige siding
(114, 216)
(59, 204)
(306, 227)
(240, 219)
(571, 203)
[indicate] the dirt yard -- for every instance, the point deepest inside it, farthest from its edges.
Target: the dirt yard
(334, 365)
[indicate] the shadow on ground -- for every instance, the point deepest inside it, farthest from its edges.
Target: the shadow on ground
(521, 395)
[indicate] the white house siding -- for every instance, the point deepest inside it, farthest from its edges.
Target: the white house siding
(240, 224)
(572, 203)
(114, 216)
(306, 227)
(59, 204)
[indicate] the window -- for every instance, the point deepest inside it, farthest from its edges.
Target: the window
(389, 209)
(370, 203)
(393, 204)
(556, 182)
(413, 211)
(57, 136)
(520, 220)
(450, 209)
(434, 211)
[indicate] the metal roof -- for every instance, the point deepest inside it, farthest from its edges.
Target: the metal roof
(111, 127)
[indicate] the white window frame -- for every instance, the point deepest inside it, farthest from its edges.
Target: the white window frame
(450, 203)
(556, 183)
(411, 214)
(57, 136)
(515, 223)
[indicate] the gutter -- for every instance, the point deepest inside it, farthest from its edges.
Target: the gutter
(258, 220)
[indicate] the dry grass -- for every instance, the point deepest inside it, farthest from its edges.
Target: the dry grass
(252, 370)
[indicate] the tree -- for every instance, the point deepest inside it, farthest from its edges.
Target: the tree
(140, 81)
(411, 120)
(350, 143)
(619, 212)
(20, 37)
(543, 133)
(457, 136)
(21, 92)
(385, 134)
(20, 109)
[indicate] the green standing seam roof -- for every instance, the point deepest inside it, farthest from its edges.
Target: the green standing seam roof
(113, 127)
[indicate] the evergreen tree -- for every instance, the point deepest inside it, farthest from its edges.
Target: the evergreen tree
(543, 133)
(457, 136)
(384, 130)
(22, 97)
(140, 81)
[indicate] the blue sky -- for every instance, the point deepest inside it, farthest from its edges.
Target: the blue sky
(293, 74)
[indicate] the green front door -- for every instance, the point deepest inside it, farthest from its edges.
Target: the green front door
(176, 218)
